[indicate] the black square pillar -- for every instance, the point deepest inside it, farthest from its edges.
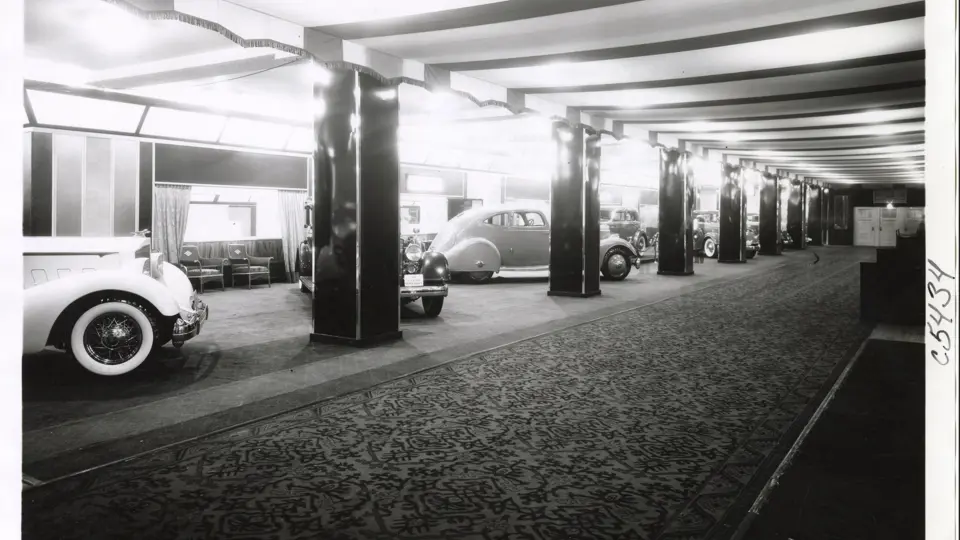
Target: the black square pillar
(675, 249)
(733, 215)
(815, 226)
(575, 213)
(356, 237)
(797, 214)
(770, 214)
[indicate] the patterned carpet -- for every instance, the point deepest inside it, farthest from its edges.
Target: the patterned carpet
(644, 425)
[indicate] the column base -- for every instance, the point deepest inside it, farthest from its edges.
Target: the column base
(675, 272)
(363, 342)
(574, 294)
(732, 262)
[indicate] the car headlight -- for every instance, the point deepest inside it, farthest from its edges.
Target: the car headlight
(414, 252)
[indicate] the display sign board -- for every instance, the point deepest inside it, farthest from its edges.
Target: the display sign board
(895, 196)
(442, 182)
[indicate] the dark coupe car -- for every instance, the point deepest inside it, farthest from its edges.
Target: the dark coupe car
(625, 223)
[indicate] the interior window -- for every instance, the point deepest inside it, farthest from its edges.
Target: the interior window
(534, 219)
(505, 219)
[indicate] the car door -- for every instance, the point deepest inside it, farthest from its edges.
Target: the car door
(531, 240)
(500, 230)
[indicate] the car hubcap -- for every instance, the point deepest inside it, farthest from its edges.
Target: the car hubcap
(113, 338)
(617, 264)
(709, 248)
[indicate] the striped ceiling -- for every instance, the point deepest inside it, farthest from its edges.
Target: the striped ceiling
(831, 90)
(810, 88)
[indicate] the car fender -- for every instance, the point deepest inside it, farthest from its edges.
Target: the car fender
(613, 241)
(44, 303)
(464, 256)
(435, 266)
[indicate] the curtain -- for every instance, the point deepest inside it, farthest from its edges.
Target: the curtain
(171, 205)
(291, 227)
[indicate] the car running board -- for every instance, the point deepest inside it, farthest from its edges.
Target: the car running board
(530, 269)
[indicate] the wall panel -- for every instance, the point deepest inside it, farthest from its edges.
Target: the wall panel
(97, 198)
(41, 185)
(68, 182)
(126, 175)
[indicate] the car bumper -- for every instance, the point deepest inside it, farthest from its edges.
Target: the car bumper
(183, 331)
(753, 247)
(425, 290)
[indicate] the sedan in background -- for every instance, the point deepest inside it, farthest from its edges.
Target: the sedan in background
(625, 223)
(484, 241)
(706, 227)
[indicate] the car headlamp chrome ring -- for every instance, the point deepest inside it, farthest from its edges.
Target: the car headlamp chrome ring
(414, 252)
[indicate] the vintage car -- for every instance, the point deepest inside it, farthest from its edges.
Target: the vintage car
(707, 234)
(423, 274)
(625, 223)
(109, 302)
(485, 241)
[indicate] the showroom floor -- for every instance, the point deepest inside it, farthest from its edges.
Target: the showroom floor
(647, 423)
(254, 359)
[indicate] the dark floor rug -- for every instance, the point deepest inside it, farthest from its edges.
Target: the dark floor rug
(860, 472)
(648, 424)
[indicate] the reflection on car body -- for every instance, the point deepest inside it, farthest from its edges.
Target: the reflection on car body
(484, 241)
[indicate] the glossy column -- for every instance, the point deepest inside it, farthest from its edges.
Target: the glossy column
(815, 227)
(733, 215)
(356, 252)
(575, 213)
(675, 249)
(770, 215)
(797, 214)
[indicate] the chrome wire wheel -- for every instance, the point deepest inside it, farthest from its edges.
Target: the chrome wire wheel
(113, 338)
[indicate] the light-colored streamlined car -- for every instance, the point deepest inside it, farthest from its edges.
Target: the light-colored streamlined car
(487, 240)
(109, 302)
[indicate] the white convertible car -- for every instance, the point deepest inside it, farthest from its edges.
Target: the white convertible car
(108, 301)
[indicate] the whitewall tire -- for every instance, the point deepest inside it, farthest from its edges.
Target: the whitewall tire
(709, 248)
(112, 338)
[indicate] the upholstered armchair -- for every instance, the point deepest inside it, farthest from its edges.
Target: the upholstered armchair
(248, 265)
(201, 268)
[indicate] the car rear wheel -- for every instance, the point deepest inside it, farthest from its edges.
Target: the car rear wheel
(751, 254)
(616, 264)
(432, 305)
(709, 248)
(113, 337)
